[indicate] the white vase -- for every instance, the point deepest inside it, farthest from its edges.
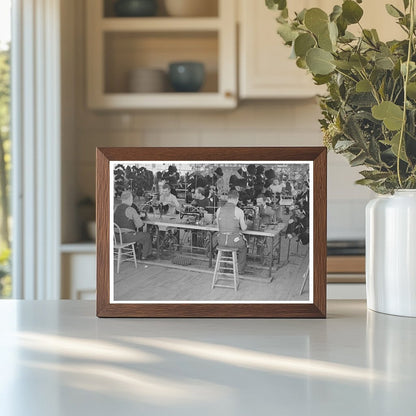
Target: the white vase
(391, 253)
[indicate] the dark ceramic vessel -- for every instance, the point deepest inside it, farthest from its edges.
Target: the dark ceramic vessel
(186, 76)
(135, 8)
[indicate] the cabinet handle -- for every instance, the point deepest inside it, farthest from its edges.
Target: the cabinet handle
(229, 94)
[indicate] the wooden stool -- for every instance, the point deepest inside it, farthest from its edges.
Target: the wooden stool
(226, 256)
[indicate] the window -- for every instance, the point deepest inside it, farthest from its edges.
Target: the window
(5, 147)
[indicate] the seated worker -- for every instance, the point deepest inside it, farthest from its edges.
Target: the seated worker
(167, 199)
(277, 186)
(127, 218)
(200, 200)
(267, 214)
(231, 223)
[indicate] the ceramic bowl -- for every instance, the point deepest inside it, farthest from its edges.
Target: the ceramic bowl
(135, 8)
(147, 80)
(186, 76)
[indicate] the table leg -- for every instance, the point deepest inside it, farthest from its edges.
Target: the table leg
(157, 243)
(271, 258)
(211, 250)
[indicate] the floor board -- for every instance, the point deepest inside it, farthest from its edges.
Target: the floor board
(151, 282)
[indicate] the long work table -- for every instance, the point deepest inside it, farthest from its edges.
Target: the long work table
(271, 234)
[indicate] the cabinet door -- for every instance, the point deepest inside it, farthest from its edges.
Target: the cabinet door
(266, 71)
(78, 276)
(376, 17)
(116, 46)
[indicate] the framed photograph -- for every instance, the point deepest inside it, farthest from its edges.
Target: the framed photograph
(211, 232)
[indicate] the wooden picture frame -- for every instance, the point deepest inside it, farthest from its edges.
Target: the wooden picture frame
(314, 307)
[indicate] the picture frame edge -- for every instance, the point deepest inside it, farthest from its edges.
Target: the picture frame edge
(104, 309)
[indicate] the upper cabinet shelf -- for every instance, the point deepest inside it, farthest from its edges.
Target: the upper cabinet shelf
(128, 58)
(160, 24)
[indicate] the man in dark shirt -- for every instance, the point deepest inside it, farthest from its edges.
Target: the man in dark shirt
(129, 221)
(200, 200)
(231, 224)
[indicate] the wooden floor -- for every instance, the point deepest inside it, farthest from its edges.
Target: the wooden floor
(160, 283)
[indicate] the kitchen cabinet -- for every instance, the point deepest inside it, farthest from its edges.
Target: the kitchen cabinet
(265, 70)
(118, 45)
(78, 263)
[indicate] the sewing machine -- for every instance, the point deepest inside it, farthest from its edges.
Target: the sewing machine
(192, 214)
(250, 213)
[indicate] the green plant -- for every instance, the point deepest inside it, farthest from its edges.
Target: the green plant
(369, 112)
(5, 278)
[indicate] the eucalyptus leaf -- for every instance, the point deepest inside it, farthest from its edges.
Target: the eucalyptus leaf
(396, 70)
(276, 4)
(303, 43)
(369, 36)
(333, 32)
(351, 11)
(374, 174)
(412, 67)
(354, 132)
(287, 33)
(325, 42)
(345, 65)
(336, 12)
(358, 61)
(343, 145)
(374, 150)
(363, 86)
(321, 79)
(316, 20)
(382, 89)
(347, 37)
(301, 15)
(281, 19)
(301, 63)
(365, 182)
(384, 62)
(320, 61)
(394, 146)
(393, 11)
(342, 25)
(388, 112)
(375, 35)
(358, 160)
(411, 90)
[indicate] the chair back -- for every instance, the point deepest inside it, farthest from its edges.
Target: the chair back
(117, 235)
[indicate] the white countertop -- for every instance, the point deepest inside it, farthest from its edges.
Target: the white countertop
(57, 358)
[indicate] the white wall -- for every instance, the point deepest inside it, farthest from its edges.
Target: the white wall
(255, 123)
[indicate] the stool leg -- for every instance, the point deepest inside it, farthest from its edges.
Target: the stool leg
(134, 256)
(217, 267)
(118, 260)
(235, 270)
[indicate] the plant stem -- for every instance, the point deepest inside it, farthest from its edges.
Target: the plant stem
(406, 80)
(373, 88)
(346, 75)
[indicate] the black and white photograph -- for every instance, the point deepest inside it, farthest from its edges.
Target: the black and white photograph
(210, 232)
